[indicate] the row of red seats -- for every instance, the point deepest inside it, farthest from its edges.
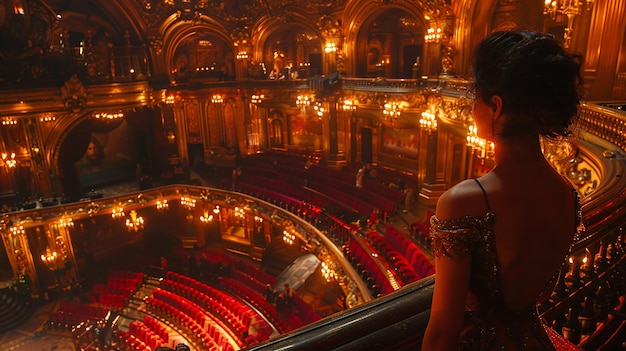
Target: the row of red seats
(258, 301)
(384, 177)
(368, 267)
(157, 327)
(244, 272)
(363, 207)
(118, 288)
(249, 280)
(386, 199)
(274, 184)
(132, 342)
(113, 300)
(235, 317)
(310, 210)
(144, 333)
(405, 271)
(239, 310)
(410, 251)
(190, 317)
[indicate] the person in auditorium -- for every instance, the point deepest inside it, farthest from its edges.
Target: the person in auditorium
(500, 240)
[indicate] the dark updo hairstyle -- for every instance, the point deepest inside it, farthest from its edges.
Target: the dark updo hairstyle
(537, 80)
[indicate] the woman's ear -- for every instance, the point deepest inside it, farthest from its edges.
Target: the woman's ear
(496, 105)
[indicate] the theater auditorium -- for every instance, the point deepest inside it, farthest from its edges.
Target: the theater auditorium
(260, 174)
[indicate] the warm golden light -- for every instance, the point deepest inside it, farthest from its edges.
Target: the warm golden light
(432, 35)
(392, 110)
(188, 202)
(482, 147)
(108, 116)
(135, 222)
(428, 121)
(217, 99)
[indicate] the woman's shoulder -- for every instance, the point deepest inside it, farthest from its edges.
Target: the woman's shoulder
(463, 199)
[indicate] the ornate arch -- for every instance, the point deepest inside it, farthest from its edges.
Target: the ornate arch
(173, 33)
(267, 25)
(359, 13)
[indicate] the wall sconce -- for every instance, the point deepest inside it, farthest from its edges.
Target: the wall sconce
(428, 121)
(162, 205)
(242, 55)
(239, 212)
(330, 47)
(392, 110)
(17, 230)
(8, 160)
(303, 101)
(328, 273)
(319, 109)
(9, 122)
(188, 202)
(433, 35)
(482, 147)
(289, 238)
(348, 105)
(568, 8)
(49, 258)
(66, 222)
(257, 98)
(117, 212)
(217, 99)
(47, 117)
(167, 99)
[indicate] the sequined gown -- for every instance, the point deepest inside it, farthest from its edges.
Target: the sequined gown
(489, 324)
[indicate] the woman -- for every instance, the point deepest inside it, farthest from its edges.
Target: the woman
(500, 240)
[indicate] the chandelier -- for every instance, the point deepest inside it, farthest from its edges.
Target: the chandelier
(134, 222)
(568, 8)
(206, 217)
(482, 148)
